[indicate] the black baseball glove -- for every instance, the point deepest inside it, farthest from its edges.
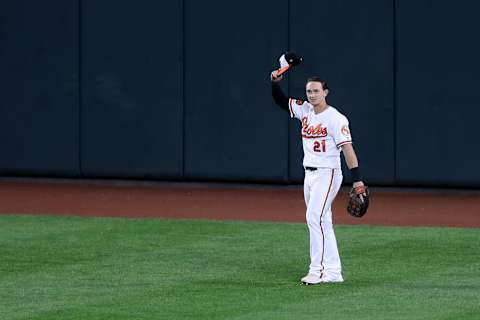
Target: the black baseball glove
(358, 201)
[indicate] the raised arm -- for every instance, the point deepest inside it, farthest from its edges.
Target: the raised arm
(278, 96)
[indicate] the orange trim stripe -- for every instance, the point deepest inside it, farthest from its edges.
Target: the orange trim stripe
(343, 143)
(290, 107)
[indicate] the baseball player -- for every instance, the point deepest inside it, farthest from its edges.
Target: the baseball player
(325, 133)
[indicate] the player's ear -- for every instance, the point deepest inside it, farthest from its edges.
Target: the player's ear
(326, 92)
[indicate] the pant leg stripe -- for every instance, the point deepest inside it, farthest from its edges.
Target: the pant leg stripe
(321, 228)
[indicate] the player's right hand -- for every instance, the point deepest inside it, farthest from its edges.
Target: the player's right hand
(274, 77)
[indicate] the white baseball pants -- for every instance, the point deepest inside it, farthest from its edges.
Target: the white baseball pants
(320, 189)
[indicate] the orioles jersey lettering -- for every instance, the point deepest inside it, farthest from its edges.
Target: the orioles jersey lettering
(328, 129)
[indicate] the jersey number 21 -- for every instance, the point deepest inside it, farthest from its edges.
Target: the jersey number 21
(319, 146)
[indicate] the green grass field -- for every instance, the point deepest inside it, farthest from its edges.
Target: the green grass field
(112, 268)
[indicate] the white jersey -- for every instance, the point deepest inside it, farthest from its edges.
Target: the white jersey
(322, 134)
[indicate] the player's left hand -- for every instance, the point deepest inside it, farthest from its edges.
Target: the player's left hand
(359, 188)
(359, 199)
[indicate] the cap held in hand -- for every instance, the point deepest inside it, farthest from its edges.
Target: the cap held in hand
(288, 60)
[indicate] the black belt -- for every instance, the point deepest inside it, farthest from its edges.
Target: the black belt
(310, 168)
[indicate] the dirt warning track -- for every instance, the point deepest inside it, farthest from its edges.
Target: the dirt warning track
(392, 207)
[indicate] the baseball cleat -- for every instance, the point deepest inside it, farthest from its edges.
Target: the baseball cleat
(312, 279)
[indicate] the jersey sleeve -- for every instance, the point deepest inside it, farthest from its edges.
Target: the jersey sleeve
(296, 108)
(342, 135)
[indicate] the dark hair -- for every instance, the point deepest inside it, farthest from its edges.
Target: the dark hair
(318, 79)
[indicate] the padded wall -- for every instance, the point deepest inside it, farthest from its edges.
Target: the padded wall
(180, 89)
(232, 129)
(39, 79)
(132, 89)
(438, 76)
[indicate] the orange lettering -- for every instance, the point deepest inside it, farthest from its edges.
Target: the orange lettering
(317, 130)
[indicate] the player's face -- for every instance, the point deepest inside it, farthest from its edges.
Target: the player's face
(315, 92)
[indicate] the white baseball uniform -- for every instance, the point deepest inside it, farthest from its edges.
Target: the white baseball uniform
(322, 134)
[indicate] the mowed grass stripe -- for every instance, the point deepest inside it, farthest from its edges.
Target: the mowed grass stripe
(113, 268)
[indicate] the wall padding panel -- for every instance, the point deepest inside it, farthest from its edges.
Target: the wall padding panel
(233, 131)
(438, 76)
(132, 89)
(39, 112)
